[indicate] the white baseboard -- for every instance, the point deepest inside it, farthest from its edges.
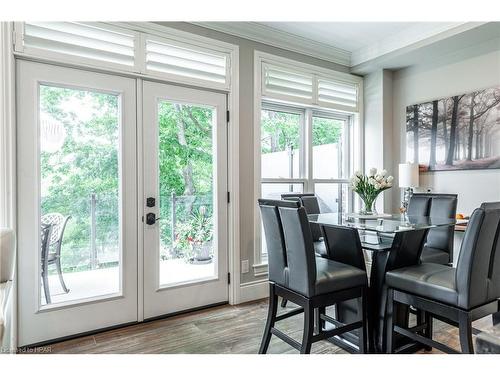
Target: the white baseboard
(254, 290)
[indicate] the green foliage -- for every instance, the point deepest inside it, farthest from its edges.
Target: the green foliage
(281, 130)
(86, 163)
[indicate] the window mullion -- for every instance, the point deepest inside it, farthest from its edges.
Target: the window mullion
(309, 162)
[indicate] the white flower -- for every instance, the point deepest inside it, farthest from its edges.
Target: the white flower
(379, 178)
(358, 174)
(373, 172)
(383, 173)
(390, 179)
(377, 186)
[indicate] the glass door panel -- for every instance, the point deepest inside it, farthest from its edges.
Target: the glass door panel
(186, 185)
(77, 245)
(185, 201)
(79, 203)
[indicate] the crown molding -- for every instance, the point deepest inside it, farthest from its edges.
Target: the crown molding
(277, 38)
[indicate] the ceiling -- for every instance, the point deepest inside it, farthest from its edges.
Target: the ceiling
(359, 45)
(350, 36)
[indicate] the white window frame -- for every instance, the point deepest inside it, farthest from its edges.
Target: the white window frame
(309, 110)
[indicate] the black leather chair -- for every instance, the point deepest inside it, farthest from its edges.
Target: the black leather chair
(310, 202)
(438, 247)
(457, 296)
(311, 282)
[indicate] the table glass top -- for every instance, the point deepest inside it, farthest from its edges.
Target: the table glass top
(390, 224)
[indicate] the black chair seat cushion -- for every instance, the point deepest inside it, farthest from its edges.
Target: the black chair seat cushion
(333, 276)
(320, 248)
(432, 255)
(429, 280)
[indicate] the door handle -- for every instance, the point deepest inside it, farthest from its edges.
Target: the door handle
(151, 218)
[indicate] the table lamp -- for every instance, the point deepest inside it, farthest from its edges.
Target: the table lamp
(408, 179)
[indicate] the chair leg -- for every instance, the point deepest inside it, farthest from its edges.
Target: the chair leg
(46, 288)
(283, 302)
(362, 316)
(59, 272)
(271, 319)
(428, 330)
(390, 322)
(465, 332)
(308, 330)
(422, 317)
(321, 323)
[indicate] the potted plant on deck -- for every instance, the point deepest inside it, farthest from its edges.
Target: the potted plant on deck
(200, 238)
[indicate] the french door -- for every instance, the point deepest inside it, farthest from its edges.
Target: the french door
(185, 199)
(77, 201)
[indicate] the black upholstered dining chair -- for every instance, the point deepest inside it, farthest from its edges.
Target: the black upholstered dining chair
(311, 282)
(438, 247)
(457, 296)
(310, 202)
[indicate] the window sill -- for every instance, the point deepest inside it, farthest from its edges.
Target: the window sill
(260, 269)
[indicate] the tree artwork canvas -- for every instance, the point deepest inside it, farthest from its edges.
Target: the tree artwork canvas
(459, 132)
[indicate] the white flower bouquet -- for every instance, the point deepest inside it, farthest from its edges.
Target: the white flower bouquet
(370, 186)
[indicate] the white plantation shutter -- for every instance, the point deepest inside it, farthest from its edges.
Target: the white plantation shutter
(285, 83)
(314, 88)
(93, 41)
(338, 93)
(186, 60)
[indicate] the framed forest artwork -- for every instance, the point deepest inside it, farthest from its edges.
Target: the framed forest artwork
(459, 132)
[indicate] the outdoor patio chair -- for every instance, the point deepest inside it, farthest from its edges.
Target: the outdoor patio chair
(52, 254)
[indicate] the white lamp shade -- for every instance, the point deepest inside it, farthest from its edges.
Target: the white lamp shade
(408, 175)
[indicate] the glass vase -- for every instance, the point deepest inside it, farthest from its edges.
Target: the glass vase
(368, 205)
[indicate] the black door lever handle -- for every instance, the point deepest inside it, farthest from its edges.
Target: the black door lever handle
(151, 218)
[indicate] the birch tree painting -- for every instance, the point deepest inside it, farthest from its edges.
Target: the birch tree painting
(459, 132)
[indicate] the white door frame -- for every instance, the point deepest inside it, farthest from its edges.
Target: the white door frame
(69, 318)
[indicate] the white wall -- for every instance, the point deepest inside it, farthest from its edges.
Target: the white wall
(452, 76)
(378, 129)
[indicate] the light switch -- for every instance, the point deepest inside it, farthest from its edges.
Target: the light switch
(244, 266)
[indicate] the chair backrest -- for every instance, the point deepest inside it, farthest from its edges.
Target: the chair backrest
(299, 250)
(58, 223)
(311, 204)
(343, 245)
(273, 231)
(478, 268)
(438, 206)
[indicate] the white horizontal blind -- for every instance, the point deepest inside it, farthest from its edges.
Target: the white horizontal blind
(86, 40)
(338, 93)
(282, 82)
(294, 85)
(186, 60)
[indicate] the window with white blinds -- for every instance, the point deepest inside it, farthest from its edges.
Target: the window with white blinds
(337, 93)
(164, 54)
(298, 86)
(281, 81)
(91, 41)
(186, 60)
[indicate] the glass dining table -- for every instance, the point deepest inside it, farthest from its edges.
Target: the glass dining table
(377, 236)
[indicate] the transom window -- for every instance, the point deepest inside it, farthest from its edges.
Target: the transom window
(306, 150)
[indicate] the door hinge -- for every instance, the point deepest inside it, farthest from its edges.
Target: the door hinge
(228, 278)
(228, 197)
(227, 116)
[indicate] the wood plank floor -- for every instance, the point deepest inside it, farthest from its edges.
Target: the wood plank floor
(223, 329)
